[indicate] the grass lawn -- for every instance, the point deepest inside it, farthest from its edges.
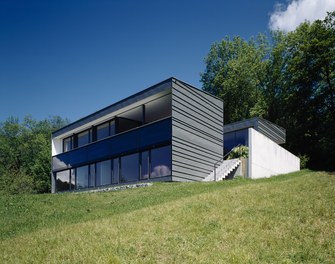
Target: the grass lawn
(284, 219)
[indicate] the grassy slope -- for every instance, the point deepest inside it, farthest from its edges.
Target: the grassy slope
(285, 219)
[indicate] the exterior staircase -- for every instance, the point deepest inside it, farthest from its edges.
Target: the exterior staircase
(223, 170)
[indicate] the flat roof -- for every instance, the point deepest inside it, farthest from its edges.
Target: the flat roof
(267, 128)
(151, 91)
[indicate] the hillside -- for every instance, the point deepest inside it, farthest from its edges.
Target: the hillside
(285, 219)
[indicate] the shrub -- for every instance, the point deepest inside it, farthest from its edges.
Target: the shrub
(304, 159)
(239, 152)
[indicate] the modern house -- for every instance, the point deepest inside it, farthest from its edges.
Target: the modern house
(171, 131)
(168, 132)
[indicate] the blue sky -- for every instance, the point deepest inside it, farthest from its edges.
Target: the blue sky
(71, 58)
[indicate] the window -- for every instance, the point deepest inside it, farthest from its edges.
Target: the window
(160, 162)
(84, 138)
(103, 131)
(72, 179)
(116, 171)
(144, 165)
(234, 138)
(104, 172)
(158, 109)
(92, 176)
(67, 144)
(63, 180)
(130, 168)
(82, 177)
(112, 128)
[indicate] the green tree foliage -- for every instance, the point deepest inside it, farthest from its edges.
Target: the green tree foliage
(235, 71)
(289, 80)
(308, 96)
(25, 151)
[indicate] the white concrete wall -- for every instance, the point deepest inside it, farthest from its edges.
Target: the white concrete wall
(267, 158)
(56, 146)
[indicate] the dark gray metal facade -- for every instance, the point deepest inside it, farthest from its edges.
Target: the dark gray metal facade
(267, 128)
(197, 132)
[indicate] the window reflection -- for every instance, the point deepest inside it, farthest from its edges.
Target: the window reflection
(130, 168)
(92, 175)
(83, 138)
(103, 172)
(63, 180)
(160, 162)
(158, 109)
(145, 165)
(234, 138)
(67, 144)
(72, 179)
(103, 131)
(82, 177)
(116, 170)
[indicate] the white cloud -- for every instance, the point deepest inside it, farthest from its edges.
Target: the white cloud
(290, 17)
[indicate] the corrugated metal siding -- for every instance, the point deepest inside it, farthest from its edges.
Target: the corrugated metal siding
(267, 128)
(197, 132)
(272, 131)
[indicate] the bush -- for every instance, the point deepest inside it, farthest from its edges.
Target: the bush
(304, 159)
(239, 152)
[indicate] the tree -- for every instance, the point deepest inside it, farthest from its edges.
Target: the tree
(25, 151)
(289, 80)
(235, 71)
(308, 90)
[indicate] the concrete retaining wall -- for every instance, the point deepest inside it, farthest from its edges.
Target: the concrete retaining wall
(266, 158)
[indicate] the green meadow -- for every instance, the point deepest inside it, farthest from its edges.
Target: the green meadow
(284, 219)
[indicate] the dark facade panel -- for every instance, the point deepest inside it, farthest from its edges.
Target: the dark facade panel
(197, 132)
(267, 128)
(149, 136)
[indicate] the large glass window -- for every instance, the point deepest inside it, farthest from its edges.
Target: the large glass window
(112, 128)
(92, 176)
(144, 165)
(104, 172)
(158, 109)
(116, 171)
(160, 162)
(67, 144)
(82, 177)
(130, 168)
(83, 138)
(63, 180)
(232, 139)
(73, 179)
(103, 131)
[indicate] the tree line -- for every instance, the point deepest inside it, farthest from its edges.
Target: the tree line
(25, 154)
(287, 78)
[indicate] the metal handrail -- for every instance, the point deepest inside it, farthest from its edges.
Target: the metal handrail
(222, 159)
